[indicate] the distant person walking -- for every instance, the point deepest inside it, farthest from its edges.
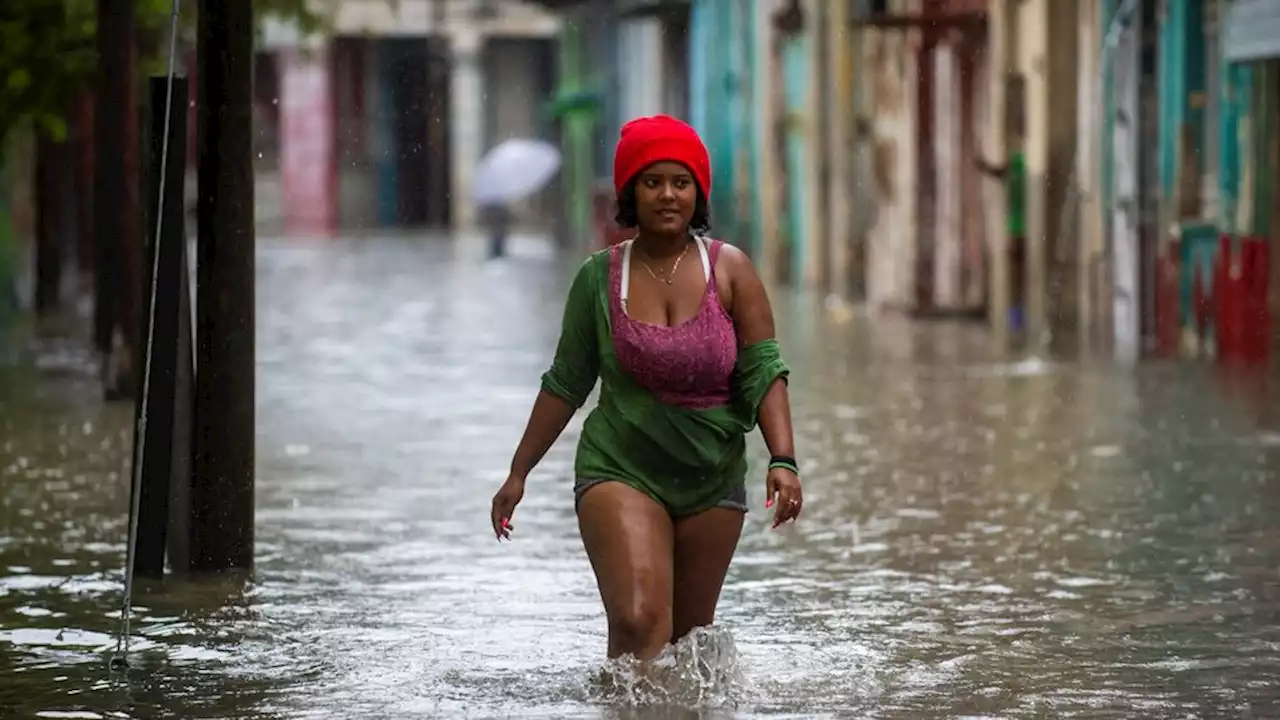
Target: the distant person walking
(507, 174)
(1013, 172)
(679, 331)
(496, 218)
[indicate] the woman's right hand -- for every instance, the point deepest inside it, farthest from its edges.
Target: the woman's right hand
(504, 505)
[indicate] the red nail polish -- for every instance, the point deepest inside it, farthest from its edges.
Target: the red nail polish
(768, 504)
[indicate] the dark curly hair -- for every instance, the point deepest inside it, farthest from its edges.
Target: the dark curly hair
(628, 217)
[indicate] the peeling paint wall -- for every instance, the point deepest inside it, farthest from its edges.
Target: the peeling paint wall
(1062, 231)
(975, 78)
(839, 150)
(1048, 48)
(996, 63)
(889, 57)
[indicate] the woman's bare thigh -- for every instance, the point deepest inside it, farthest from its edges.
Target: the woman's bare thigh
(629, 540)
(704, 547)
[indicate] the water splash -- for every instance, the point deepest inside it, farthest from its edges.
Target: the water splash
(700, 672)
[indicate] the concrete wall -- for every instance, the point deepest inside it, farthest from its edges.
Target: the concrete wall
(1047, 58)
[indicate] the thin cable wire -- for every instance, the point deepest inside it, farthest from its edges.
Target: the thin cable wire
(126, 605)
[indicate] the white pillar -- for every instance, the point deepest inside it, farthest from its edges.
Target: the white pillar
(948, 232)
(640, 45)
(1088, 167)
(466, 122)
(1126, 319)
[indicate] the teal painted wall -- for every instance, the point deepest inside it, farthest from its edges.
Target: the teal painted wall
(1237, 101)
(1181, 78)
(716, 105)
(736, 81)
(754, 58)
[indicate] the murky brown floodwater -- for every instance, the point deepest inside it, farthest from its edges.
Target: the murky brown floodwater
(982, 537)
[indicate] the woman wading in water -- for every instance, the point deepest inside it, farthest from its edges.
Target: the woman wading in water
(679, 331)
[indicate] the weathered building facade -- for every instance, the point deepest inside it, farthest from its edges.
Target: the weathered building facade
(383, 123)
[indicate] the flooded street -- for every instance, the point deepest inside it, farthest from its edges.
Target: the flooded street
(984, 535)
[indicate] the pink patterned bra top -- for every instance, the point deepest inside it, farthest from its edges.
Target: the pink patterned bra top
(689, 364)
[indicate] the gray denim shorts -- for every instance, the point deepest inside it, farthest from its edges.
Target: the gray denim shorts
(735, 500)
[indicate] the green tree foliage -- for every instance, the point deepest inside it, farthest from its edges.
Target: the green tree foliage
(48, 50)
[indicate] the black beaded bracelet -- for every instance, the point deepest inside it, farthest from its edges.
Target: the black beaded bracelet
(785, 462)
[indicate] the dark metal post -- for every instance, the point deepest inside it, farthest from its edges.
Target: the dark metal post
(82, 188)
(48, 235)
(117, 251)
(166, 441)
(222, 488)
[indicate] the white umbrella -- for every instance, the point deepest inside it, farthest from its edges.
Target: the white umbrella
(513, 170)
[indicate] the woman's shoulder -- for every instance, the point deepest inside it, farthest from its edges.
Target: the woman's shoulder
(593, 272)
(595, 259)
(732, 257)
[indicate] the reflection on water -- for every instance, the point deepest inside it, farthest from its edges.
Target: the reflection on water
(985, 535)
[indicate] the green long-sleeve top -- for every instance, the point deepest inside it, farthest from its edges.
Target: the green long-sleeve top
(687, 459)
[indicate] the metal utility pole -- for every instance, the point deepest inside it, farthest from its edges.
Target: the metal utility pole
(117, 230)
(222, 506)
(162, 445)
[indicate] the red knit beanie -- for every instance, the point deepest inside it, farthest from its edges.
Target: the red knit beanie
(660, 138)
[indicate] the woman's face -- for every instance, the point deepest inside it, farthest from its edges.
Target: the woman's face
(665, 198)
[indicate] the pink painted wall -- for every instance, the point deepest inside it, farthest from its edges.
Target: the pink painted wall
(308, 166)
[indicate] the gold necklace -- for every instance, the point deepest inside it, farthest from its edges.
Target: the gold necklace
(670, 277)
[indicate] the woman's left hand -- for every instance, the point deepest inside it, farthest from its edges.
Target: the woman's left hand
(781, 486)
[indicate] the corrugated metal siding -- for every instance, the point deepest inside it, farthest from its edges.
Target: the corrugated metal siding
(1252, 30)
